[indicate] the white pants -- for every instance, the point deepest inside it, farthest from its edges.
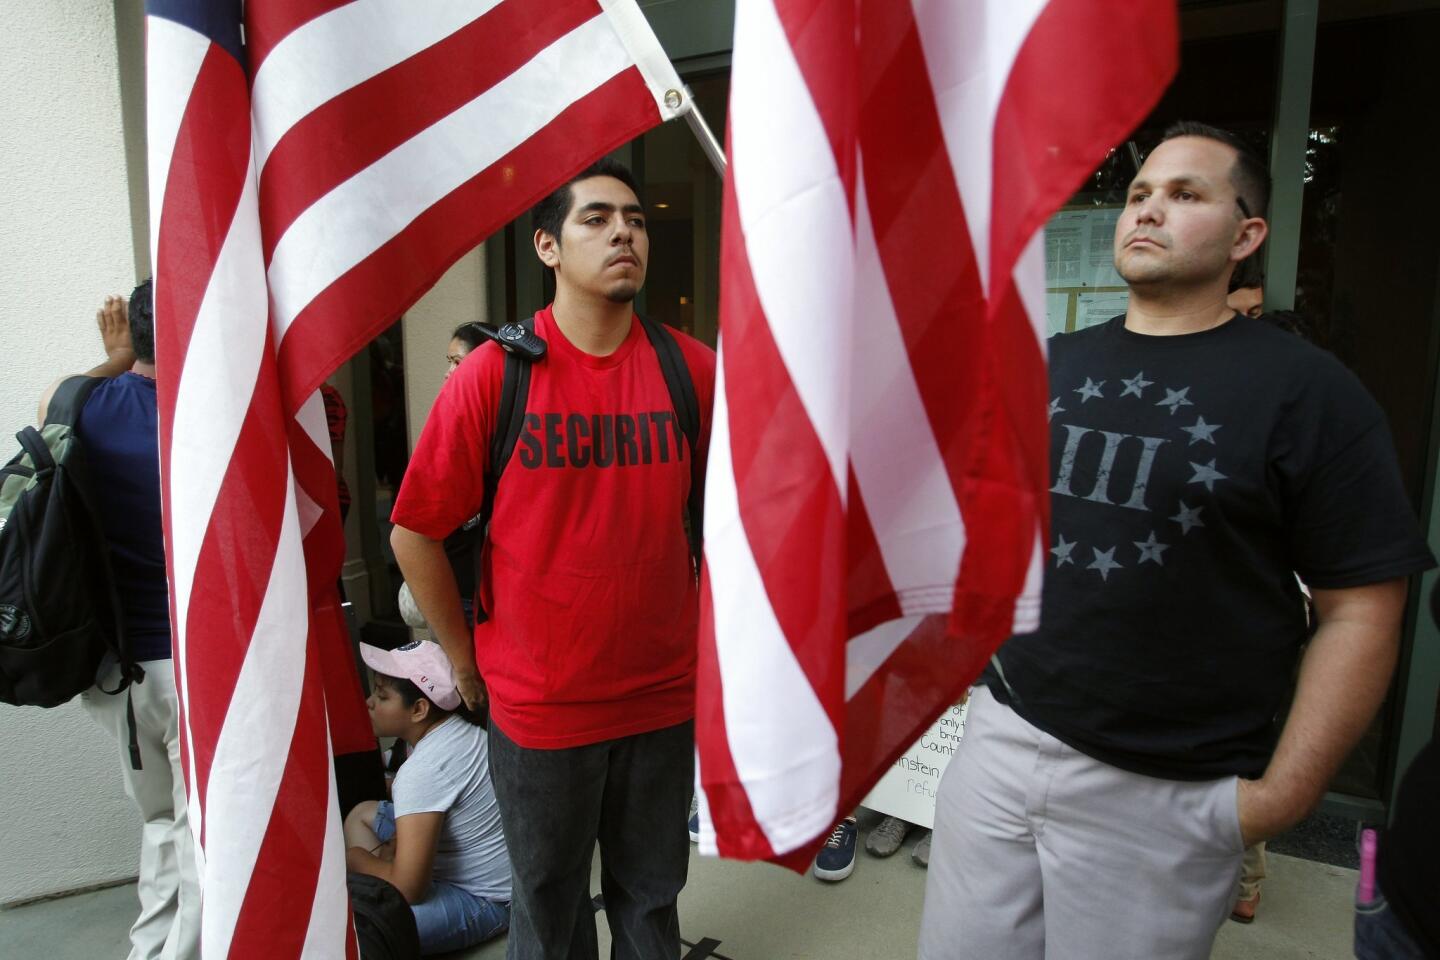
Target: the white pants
(1043, 853)
(168, 927)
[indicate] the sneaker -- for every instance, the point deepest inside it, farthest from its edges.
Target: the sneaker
(922, 850)
(836, 860)
(694, 819)
(1244, 910)
(886, 838)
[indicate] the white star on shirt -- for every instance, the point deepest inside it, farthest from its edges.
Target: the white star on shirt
(1175, 399)
(1135, 385)
(1091, 389)
(1188, 517)
(1054, 409)
(1104, 562)
(1151, 549)
(1062, 550)
(1207, 474)
(1202, 431)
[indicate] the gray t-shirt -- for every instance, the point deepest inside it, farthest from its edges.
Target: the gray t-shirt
(449, 773)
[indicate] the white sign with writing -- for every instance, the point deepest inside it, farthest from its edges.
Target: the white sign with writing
(909, 787)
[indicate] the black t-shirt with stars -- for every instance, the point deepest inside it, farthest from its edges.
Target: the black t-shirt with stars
(1194, 477)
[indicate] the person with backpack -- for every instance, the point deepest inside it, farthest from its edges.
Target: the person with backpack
(117, 429)
(586, 636)
(439, 840)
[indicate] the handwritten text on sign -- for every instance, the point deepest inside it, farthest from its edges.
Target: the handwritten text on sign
(909, 787)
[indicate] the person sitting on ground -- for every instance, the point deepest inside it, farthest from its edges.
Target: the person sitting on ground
(439, 841)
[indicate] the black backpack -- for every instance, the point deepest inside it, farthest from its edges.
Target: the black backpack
(510, 421)
(384, 923)
(59, 609)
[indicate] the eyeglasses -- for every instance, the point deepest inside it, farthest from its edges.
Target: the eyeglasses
(1244, 208)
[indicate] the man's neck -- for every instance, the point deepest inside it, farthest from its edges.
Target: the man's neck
(144, 369)
(1168, 313)
(593, 326)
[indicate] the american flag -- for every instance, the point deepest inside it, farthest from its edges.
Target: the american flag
(876, 505)
(312, 172)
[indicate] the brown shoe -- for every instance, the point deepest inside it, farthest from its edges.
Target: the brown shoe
(1244, 910)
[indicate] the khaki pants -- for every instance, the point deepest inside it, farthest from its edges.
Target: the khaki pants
(1043, 853)
(168, 927)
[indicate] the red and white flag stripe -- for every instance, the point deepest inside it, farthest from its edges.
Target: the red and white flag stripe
(391, 134)
(876, 498)
(305, 189)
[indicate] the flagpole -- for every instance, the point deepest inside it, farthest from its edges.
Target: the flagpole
(701, 129)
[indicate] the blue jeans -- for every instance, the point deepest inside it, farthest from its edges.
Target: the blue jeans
(450, 918)
(1379, 934)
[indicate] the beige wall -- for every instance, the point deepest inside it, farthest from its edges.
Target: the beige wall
(65, 206)
(458, 298)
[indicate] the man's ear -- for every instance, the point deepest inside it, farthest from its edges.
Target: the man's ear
(420, 711)
(1253, 231)
(547, 248)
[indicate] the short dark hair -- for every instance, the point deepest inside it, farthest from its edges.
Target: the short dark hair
(549, 214)
(142, 321)
(410, 695)
(469, 334)
(1248, 274)
(1249, 176)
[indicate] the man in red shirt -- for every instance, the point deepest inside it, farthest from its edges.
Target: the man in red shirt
(588, 652)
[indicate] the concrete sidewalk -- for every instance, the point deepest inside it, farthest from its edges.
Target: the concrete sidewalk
(734, 911)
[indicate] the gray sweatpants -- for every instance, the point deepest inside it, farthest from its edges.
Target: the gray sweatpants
(1043, 853)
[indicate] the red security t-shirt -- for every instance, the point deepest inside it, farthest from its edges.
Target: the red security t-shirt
(586, 572)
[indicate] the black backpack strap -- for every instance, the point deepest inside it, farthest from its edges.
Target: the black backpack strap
(64, 408)
(509, 422)
(69, 399)
(510, 416)
(130, 671)
(687, 412)
(34, 445)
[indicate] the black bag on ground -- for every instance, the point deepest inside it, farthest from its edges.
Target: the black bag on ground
(59, 610)
(384, 922)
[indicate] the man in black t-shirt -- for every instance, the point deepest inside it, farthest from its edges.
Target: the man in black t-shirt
(1125, 754)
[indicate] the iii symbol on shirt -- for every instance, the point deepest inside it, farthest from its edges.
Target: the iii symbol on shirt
(1119, 466)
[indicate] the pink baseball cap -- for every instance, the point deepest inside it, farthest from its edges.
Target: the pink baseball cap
(423, 663)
